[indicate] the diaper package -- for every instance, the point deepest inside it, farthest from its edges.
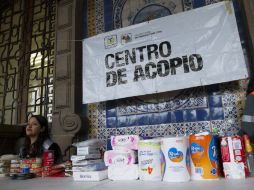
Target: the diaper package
(120, 157)
(123, 172)
(126, 141)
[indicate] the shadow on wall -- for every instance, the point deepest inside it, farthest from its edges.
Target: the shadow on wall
(11, 138)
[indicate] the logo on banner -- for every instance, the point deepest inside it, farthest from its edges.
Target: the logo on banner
(110, 41)
(125, 38)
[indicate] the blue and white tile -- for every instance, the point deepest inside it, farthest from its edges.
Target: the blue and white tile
(157, 130)
(229, 100)
(153, 107)
(142, 108)
(178, 129)
(102, 134)
(145, 131)
(218, 125)
(126, 109)
(197, 101)
(132, 130)
(230, 113)
(121, 131)
(167, 129)
(111, 132)
(191, 128)
(205, 126)
(196, 127)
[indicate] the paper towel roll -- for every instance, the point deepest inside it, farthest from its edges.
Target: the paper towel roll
(123, 172)
(176, 159)
(149, 156)
(204, 158)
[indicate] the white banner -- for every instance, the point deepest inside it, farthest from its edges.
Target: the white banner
(188, 49)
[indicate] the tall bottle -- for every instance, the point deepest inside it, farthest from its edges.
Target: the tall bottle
(249, 155)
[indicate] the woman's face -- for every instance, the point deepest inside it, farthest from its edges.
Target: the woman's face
(33, 128)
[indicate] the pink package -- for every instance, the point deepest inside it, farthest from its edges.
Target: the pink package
(120, 157)
(126, 141)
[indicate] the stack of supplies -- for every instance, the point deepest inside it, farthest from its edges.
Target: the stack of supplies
(5, 163)
(29, 167)
(57, 170)
(68, 169)
(233, 157)
(4, 168)
(88, 165)
(25, 166)
(15, 167)
(36, 166)
(49, 168)
(122, 160)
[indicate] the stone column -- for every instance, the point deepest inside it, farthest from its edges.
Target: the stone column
(67, 119)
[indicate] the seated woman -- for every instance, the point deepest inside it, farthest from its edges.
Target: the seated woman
(37, 140)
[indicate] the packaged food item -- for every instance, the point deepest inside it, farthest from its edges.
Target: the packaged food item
(15, 167)
(233, 157)
(48, 158)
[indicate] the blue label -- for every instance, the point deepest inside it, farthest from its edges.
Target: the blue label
(195, 148)
(25, 170)
(188, 162)
(213, 149)
(213, 153)
(175, 155)
(213, 171)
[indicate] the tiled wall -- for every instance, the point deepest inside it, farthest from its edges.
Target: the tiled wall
(172, 113)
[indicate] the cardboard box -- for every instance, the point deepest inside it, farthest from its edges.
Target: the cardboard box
(75, 158)
(90, 176)
(85, 150)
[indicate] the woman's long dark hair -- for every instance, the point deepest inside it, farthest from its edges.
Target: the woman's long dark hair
(36, 149)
